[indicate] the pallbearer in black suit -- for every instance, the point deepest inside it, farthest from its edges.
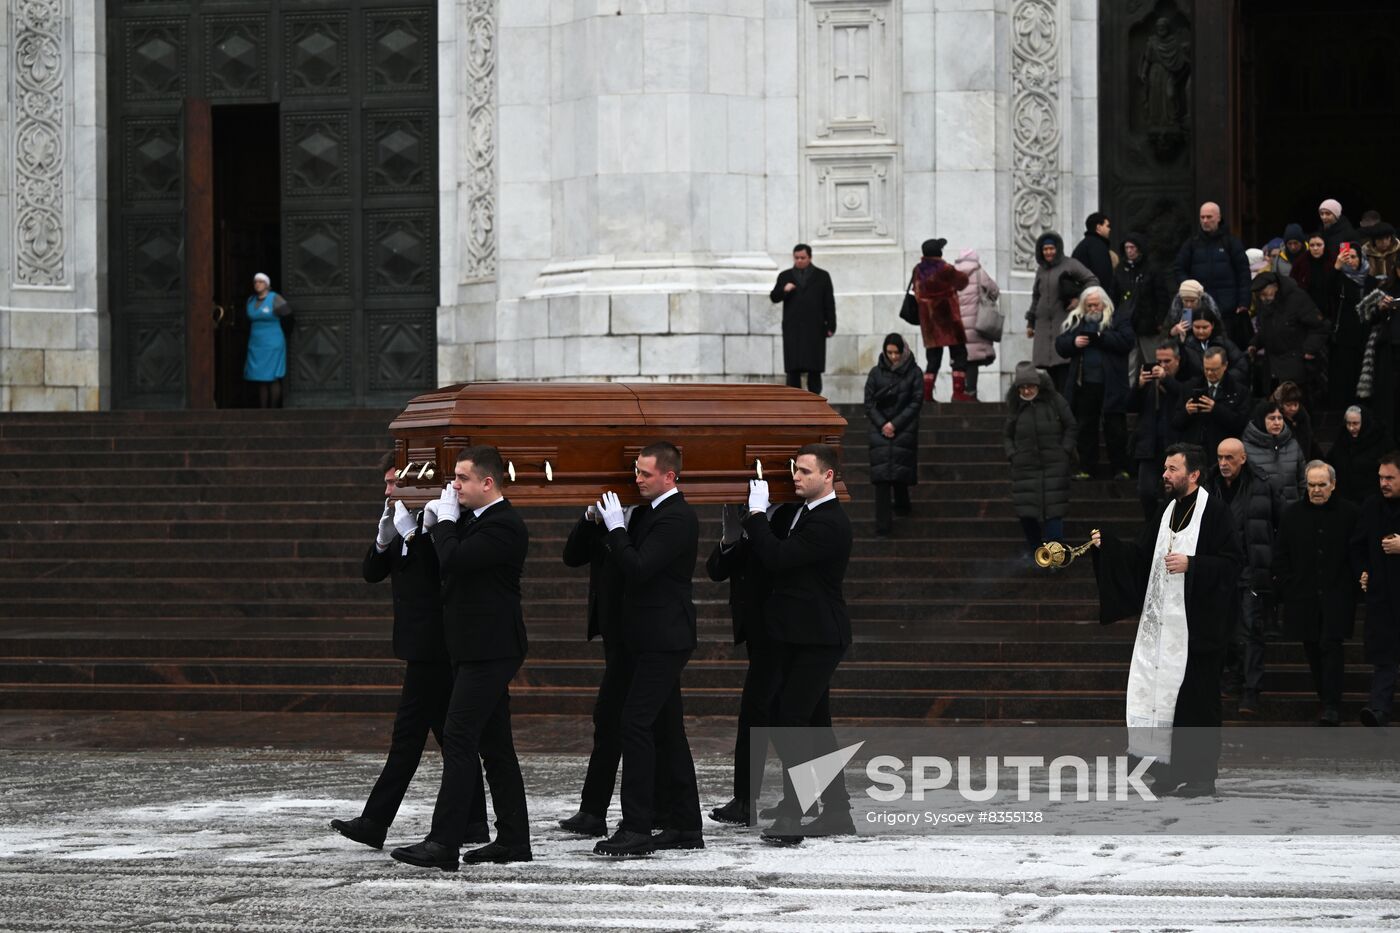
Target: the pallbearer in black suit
(655, 555)
(408, 559)
(480, 556)
(806, 616)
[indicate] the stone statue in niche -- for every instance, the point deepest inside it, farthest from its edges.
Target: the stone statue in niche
(1164, 72)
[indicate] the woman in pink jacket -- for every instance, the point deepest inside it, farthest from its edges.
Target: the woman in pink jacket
(980, 351)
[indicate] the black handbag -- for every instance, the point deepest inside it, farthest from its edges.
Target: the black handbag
(909, 311)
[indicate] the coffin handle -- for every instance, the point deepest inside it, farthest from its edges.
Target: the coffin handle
(406, 467)
(548, 472)
(758, 467)
(425, 470)
(510, 470)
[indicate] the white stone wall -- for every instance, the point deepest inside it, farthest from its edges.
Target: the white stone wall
(54, 333)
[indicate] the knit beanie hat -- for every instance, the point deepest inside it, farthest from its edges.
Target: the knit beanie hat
(1191, 289)
(1333, 205)
(1257, 262)
(1026, 375)
(934, 248)
(1294, 232)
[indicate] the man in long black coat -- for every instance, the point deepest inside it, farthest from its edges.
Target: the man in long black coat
(1179, 576)
(404, 555)
(1315, 582)
(809, 318)
(481, 543)
(1375, 554)
(1155, 399)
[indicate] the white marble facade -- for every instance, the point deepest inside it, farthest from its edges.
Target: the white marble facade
(621, 180)
(656, 160)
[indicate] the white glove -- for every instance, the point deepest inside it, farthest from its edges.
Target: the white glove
(591, 514)
(386, 527)
(430, 514)
(404, 522)
(730, 529)
(611, 509)
(449, 509)
(758, 495)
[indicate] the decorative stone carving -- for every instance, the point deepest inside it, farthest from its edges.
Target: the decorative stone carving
(1035, 124)
(41, 128)
(851, 58)
(853, 198)
(479, 181)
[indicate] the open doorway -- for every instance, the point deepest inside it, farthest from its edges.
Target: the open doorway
(247, 232)
(1318, 100)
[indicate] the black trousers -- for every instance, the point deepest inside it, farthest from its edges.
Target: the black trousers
(652, 706)
(1088, 410)
(1149, 488)
(806, 678)
(423, 699)
(933, 358)
(478, 724)
(606, 755)
(814, 380)
(1327, 659)
(884, 492)
(758, 709)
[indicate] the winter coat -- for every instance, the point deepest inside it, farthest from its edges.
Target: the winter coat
(1156, 404)
(936, 287)
(1113, 345)
(1218, 261)
(1138, 293)
(1279, 457)
(1312, 571)
(1176, 311)
(1096, 255)
(894, 395)
(1382, 263)
(1340, 232)
(1207, 429)
(1039, 437)
(981, 288)
(809, 314)
(1053, 282)
(1379, 517)
(1356, 459)
(1289, 328)
(1256, 508)
(1193, 357)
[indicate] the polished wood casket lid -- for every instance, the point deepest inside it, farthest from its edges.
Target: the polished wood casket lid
(569, 442)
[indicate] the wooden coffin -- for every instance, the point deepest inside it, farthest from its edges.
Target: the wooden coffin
(569, 442)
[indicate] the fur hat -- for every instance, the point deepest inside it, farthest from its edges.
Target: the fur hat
(934, 248)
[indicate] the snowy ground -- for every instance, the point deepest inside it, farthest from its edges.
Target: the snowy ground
(237, 839)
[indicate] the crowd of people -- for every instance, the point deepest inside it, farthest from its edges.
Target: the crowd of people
(1233, 351)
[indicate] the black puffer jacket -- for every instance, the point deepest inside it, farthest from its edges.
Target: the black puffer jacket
(1039, 437)
(1257, 507)
(1140, 294)
(1218, 261)
(1289, 328)
(894, 394)
(1278, 456)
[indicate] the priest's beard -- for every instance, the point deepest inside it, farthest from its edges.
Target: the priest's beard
(1177, 489)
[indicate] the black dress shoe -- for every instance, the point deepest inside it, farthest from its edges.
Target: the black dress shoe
(678, 839)
(1373, 717)
(734, 812)
(585, 824)
(785, 831)
(782, 808)
(363, 830)
(1329, 717)
(831, 822)
(428, 854)
(1191, 789)
(498, 854)
(477, 833)
(626, 844)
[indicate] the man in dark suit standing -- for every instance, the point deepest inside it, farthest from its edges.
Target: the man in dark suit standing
(480, 557)
(655, 555)
(806, 615)
(1213, 407)
(408, 559)
(809, 318)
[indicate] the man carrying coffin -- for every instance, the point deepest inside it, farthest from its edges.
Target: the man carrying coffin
(1179, 578)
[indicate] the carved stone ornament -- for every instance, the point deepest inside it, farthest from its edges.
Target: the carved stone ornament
(40, 145)
(1035, 125)
(480, 187)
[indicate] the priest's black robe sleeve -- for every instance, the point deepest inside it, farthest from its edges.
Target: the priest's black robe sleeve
(1121, 568)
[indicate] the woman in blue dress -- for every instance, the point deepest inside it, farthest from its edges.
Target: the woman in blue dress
(267, 343)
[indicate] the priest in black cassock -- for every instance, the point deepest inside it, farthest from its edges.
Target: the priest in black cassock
(1179, 578)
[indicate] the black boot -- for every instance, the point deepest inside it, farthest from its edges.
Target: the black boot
(428, 854)
(496, 853)
(735, 812)
(626, 844)
(363, 830)
(585, 824)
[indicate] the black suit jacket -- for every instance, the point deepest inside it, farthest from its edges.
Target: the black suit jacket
(656, 560)
(749, 584)
(587, 545)
(417, 596)
(807, 569)
(1227, 419)
(480, 562)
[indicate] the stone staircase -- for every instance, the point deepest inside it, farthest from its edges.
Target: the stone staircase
(209, 561)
